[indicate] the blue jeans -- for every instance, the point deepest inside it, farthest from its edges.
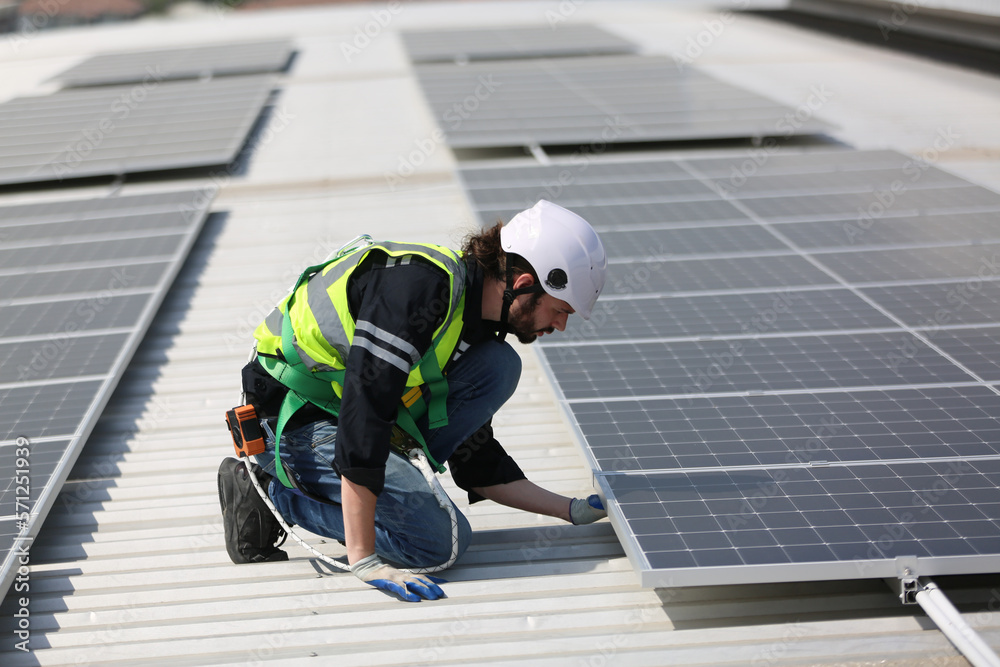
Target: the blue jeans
(411, 528)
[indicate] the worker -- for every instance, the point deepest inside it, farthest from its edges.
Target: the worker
(427, 324)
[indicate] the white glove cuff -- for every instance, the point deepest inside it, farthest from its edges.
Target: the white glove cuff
(366, 566)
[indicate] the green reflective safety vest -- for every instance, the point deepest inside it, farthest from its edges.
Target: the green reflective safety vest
(304, 341)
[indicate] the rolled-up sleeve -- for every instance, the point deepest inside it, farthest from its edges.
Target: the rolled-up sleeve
(482, 461)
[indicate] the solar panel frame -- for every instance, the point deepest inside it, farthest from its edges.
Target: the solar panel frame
(45, 406)
(911, 288)
(595, 101)
(115, 130)
(189, 62)
(508, 42)
(887, 540)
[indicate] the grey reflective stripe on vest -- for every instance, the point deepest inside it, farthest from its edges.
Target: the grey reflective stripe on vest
(382, 353)
(273, 321)
(394, 345)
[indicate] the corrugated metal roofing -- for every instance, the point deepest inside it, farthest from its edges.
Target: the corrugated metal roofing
(131, 567)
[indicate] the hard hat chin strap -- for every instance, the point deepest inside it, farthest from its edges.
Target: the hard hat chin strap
(509, 294)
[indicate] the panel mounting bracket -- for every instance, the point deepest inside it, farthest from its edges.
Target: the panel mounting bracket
(906, 583)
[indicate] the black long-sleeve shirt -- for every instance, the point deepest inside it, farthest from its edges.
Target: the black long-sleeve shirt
(396, 307)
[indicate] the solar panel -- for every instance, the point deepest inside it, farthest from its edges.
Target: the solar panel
(114, 130)
(631, 317)
(732, 526)
(507, 42)
(81, 283)
(191, 62)
(793, 377)
(595, 101)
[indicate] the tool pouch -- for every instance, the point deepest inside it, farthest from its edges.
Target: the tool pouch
(244, 426)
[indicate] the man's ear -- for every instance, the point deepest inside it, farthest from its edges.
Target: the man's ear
(523, 280)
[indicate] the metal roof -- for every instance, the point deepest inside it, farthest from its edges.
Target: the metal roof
(130, 568)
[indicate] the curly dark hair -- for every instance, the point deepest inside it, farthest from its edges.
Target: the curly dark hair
(485, 246)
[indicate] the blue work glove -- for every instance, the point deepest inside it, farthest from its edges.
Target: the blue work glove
(586, 511)
(411, 587)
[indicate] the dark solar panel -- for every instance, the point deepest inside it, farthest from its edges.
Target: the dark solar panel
(190, 62)
(115, 130)
(594, 101)
(794, 378)
(761, 364)
(78, 297)
(787, 429)
(743, 314)
(806, 523)
(511, 42)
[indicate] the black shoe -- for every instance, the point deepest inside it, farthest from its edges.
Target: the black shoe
(252, 532)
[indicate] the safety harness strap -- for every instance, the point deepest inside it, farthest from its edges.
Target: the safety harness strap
(305, 386)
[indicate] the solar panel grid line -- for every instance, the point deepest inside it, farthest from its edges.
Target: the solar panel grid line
(747, 336)
(61, 335)
(761, 561)
(91, 264)
(804, 391)
(20, 384)
(117, 129)
(850, 426)
(540, 102)
(817, 550)
(40, 397)
(768, 467)
(639, 168)
(781, 363)
(94, 238)
(656, 256)
(567, 180)
(920, 336)
(123, 291)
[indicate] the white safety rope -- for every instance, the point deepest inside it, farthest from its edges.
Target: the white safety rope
(419, 461)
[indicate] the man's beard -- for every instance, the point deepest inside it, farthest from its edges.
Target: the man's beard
(522, 324)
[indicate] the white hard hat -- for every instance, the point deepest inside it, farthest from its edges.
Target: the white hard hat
(563, 249)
